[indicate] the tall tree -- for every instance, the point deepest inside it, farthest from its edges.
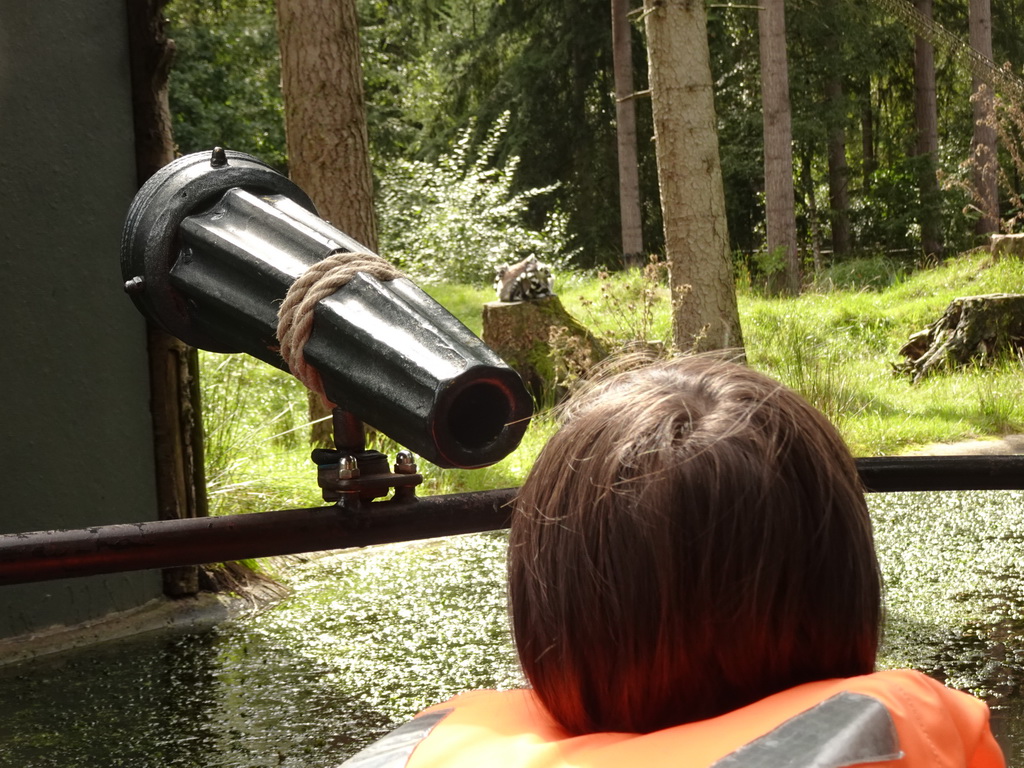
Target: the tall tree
(173, 365)
(325, 112)
(983, 144)
(869, 158)
(832, 45)
(838, 167)
(325, 125)
(705, 313)
(780, 216)
(625, 132)
(926, 120)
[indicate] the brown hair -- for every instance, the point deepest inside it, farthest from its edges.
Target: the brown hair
(693, 539)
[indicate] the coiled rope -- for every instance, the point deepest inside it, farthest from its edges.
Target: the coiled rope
(295, 317)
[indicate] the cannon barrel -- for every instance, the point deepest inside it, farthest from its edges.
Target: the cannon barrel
(213, 242)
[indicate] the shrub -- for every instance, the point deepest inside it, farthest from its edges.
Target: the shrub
(458, 219)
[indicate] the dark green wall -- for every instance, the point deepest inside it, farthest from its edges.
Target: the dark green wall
(75, 435)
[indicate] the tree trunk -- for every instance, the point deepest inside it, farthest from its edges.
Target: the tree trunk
(812, 211)
(983, 144)
(325, 112)
(325, 125)
(705, 314)
(173, 366)
(927, 123)
(838, 168)
(780, 216)
(867, 139)
(972, 329)
(544, 343)
(151, 55)
(625, 132)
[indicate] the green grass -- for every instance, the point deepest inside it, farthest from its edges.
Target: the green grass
(621, 307)
(837, 348)
(256, 436)
(464, 301)
(835, 344)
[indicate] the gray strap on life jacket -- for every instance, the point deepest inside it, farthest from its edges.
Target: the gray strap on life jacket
(394, 749)
(845, 729)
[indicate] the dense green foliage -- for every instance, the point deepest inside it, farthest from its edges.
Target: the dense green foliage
(433, 68)
(549, 64)
(458, 219)
(225, 84)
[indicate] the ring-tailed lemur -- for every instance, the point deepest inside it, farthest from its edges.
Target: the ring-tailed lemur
(529, 279)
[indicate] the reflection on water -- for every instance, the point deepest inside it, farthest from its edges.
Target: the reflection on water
(368, 638)
(955, 597)
(371, 637)
(173, 702)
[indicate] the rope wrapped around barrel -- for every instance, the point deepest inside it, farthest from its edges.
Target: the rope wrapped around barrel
(295, 317)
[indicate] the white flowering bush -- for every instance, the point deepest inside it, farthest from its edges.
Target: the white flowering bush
(457, 219)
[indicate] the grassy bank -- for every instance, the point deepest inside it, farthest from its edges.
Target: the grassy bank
(835, 344)
(837, 347)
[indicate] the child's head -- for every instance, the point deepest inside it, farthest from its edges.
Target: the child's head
(693, 539)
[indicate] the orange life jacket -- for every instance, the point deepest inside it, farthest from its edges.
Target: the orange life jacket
(897, 718)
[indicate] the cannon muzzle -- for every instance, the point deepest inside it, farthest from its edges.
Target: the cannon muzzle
(210, 248)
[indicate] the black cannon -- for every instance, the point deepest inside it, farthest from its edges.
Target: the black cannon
(210, 248)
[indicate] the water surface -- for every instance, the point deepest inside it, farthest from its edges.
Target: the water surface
(371, 637)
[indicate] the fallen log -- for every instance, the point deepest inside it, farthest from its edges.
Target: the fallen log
(972, 330)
